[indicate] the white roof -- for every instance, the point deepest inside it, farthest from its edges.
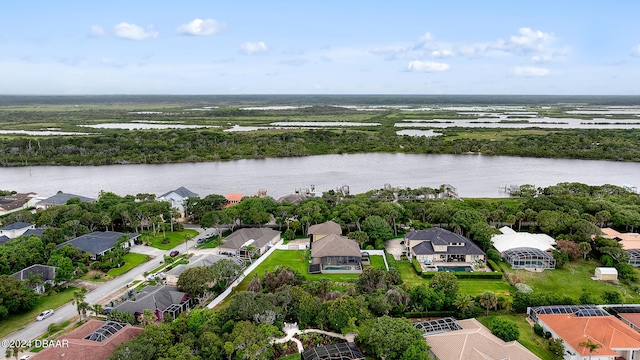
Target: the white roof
(507, 230)
(607, 270)
(506, 241)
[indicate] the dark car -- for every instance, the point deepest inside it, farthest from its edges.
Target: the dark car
(202, 240)
(174, 253)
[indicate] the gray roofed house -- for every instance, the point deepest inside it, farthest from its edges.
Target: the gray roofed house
(16, 229)
(177, 197)
(259, 238)
(318, 231)
(46, 273)
(198, 260)
(33, 232)
(163, 300)
(336, 254)
(60, 199)
(4, 239)
(99, 242)
(292, 198)
(440, 245)
(181, 191)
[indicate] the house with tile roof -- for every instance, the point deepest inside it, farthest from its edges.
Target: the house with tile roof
(233, 199)
(99, 242)
(436, 245)
(615, 338)
(249, 241)
(335, 254)
(61, 199)
(16, 229)
(468, 339)
(94, 340)
(318, 231)
(177, 198)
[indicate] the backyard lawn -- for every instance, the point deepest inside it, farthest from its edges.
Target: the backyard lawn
(528, 338)
(175, 238)
(571, 279)
(16, 322)
(131, 260)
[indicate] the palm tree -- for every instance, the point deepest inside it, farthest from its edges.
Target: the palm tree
(506, 303)
(585, 248)
(79, 301)
(13, 351)
(463, 302)
(148, 317)
(488, 300)
(592, 346)
(97, 309)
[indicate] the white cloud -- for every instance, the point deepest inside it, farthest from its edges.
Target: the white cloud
(529, 40)
(442, 53)
(96, 31)
(250, 48)
(134, 32)
(636, 51)
(427, 37)
(427, 66)
(201, 27)
(528, 71)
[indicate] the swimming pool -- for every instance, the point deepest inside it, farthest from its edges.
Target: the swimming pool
(454, 268)
(346, 267)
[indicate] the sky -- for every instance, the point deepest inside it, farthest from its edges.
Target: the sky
(96, 47)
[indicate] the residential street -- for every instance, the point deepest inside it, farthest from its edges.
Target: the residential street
(102, 293)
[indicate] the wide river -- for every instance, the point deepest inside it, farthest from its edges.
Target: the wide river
(472, 175)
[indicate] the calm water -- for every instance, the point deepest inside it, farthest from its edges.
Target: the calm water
(472, 175)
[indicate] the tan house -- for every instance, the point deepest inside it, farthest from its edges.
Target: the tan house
(335, 254)
(627, 240)
(451, 339)
(248, 241)
(436, 245)
(318, 231)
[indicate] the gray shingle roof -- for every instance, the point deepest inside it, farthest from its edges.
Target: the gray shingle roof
(182, 192)
(46, 272)
(62, 198)
(438, 236)
(158, 297)
(260, 237)
(4, 239)
(335, 245)
(201, 260)
(17, 225)
(329, 227)
(34, 232)
(97, 242)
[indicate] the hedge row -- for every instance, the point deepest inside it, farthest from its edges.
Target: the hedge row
(468, 275)
(416, 265)
(492, 264)
(422, 314)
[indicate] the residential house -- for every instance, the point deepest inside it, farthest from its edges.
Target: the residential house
(61, 199)
(99, 242)
(576, 324)
(510, 239)
(452, 339)
(17, 202)
(45, 273)
(233, 199)
(335, 254)
(4, 239)
(436, 245)
(292, 198)
(164, 301)
(629, 315)
(16, 229)
(629, 241)
(318, 231)
(177, 198)
(94, 340)
(195, 261)
(248, 241)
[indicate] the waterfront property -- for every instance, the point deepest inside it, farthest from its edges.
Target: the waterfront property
(440, 247)
(177, 198)
(576, 324)
(249, 242)
(318, 231)
(61, 199)
(629, 241)
(99, 243)
(16, 202)
(335, 254)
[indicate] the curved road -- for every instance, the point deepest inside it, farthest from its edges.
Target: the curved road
(68, 311)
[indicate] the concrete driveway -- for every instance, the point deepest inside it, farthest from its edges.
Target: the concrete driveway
(394, 247)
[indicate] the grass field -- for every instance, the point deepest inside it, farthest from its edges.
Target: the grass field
(131, 260)
(175, 238)
(16, 322)
(528, 338)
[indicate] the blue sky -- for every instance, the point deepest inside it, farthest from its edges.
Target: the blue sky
(320, 47)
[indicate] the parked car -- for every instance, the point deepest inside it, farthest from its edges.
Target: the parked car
(45, 314)
(25, 357)
(174, 253)
(107, 310)
(202, 240)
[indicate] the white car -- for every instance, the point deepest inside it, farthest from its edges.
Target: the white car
(25, 357)
(45, 314)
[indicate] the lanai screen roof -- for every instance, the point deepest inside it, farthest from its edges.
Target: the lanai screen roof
(526, 252)
(341, 351)
(430, 327)
(105, 331)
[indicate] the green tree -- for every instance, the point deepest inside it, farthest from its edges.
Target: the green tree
(378, 229)
(390, 338)
(505, 329)
(556, 348)
(488, 300)
(371, 280)
(585, 249)
(79, 301)
(463, 302)
(195, 281)
(590, 345)
(446, 282)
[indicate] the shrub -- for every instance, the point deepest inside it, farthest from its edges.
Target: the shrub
(493, 255)
(493, 265)
(416, 265)
(537, 329)
(547, 335)
(467, 275)
(522, 287)
(505, 329)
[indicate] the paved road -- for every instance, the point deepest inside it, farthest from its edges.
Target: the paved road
(102, 293)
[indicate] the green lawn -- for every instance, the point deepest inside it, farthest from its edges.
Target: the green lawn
(210, 244)
(377, 262)
(16, 322)
(131, 260)
(571, 279)
(175, 238)
(528, 338)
